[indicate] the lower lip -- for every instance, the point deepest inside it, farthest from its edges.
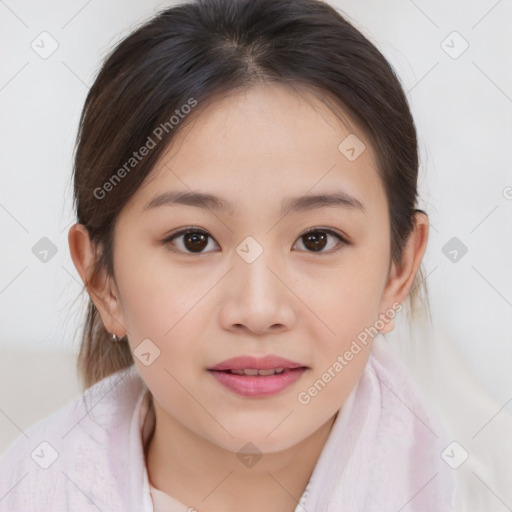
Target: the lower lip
(258, 386)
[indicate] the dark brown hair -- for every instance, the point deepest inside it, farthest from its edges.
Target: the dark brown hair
(199, 51)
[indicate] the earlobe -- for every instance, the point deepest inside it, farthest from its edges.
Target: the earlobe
(389, 325)
(84, 256)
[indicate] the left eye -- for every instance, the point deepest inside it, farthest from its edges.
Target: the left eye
(317, 239)
(195, 241)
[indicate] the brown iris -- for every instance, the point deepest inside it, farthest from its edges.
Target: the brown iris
(315, 240)
(195, 241)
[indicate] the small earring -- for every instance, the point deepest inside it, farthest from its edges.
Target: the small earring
(115, 338)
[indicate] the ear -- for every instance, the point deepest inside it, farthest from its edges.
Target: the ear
(402, 276)
(102, 289)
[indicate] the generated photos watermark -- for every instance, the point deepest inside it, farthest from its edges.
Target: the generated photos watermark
(304, 397)
(151, 142)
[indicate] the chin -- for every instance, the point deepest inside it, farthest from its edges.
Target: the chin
(255, 440)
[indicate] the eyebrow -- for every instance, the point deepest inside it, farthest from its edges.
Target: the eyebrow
(338, 199)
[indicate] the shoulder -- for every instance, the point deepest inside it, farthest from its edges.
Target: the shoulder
(74, 439)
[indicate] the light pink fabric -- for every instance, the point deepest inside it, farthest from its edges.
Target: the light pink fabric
(382, 454)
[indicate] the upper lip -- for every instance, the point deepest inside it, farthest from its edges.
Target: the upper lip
(260, 363)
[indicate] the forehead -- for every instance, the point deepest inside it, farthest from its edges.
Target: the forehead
(268, 141)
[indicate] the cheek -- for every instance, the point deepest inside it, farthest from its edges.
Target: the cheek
(160, 298)
(345, 304)
(344, 299)
(162, 303)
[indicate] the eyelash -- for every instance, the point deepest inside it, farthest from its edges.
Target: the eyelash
(192, 229)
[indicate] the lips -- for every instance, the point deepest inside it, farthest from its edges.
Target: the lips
(257, 377)
(270, 362)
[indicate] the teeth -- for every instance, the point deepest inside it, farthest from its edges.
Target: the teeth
(254, 371)
(248, 371)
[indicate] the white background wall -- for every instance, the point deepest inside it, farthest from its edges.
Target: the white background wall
(462, 107)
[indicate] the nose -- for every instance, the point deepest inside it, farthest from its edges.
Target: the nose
(256, 297)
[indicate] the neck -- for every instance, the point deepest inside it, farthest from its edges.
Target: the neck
(209, 478)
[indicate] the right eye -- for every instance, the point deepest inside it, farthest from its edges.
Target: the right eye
(191, 240)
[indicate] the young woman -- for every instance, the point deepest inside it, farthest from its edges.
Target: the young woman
(245, 185)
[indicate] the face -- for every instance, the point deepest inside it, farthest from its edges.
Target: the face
(252, 279)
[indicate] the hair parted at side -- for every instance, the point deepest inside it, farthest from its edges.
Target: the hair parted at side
(191, 54)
